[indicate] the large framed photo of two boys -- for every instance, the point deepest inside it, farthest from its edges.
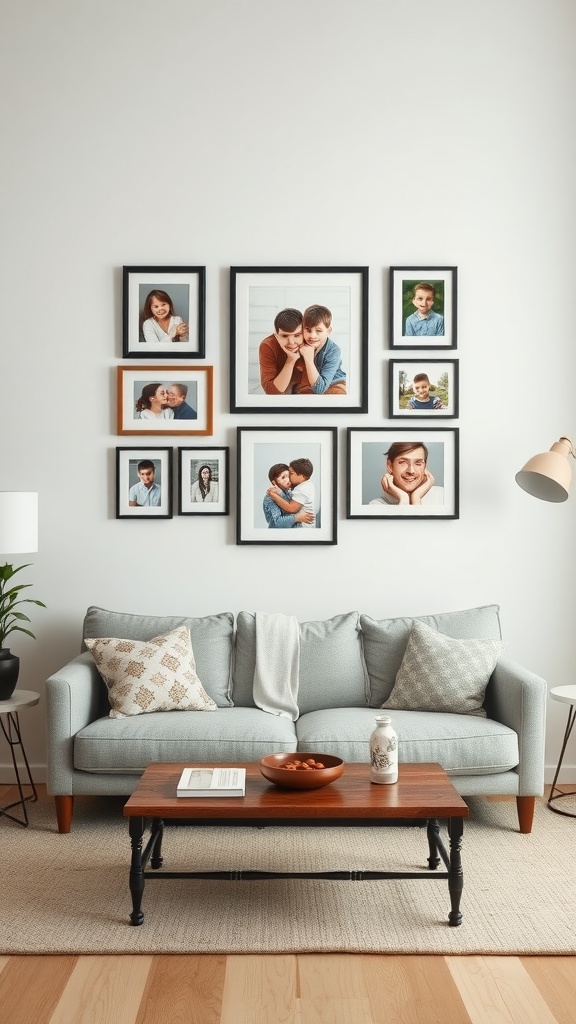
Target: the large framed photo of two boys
(163, 312)
(298, 339)
(423, 307)
(408, 473)
(286, 483)
(423, 387)
(143, 483)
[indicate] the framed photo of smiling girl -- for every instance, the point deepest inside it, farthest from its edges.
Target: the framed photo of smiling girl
(403, 474)
(164, 312)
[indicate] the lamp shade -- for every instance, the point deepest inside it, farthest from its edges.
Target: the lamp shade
(18, 522)
(547, 476)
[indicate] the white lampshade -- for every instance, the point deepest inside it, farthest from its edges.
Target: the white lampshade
(18, 522)
(547, 475)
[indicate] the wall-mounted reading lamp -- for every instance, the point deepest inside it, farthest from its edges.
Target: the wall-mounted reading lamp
(547, 476)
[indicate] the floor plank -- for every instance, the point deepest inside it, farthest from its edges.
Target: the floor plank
(555, 977)
(498, 990)
(332, 990)
(412, 990)
(107, 989)
(260, 990)
(30, 987)
(183, 990)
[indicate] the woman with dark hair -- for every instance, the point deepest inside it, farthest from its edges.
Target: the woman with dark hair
(158, 321)
(204, 488)
(152, 403)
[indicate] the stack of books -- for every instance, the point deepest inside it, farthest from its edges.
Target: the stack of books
(212, 782)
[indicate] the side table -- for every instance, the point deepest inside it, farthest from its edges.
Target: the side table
(11, 728)
(567, 695)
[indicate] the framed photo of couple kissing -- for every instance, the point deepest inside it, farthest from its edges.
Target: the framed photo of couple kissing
(404, 473)
(423, 307)
(165, 400)
(286, 485)
(163, 312)
(298, 339)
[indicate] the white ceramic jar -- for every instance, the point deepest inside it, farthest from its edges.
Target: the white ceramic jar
(383, 752)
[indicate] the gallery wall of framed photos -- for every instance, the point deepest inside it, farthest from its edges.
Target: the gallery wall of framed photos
(299, 344)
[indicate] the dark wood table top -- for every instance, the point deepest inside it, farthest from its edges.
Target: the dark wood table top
(422, 791)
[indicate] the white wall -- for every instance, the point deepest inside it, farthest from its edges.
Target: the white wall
(315, 132)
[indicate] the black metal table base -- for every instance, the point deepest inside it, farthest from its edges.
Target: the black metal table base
(561, 793)
(152, 853)
(11, 730)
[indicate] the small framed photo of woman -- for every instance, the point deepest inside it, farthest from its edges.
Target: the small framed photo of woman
(423, 387)
(408, 473)
(203, 482)
(286, 483)
(165, 400)
(423, 307)
(164, 312)
(143, 483)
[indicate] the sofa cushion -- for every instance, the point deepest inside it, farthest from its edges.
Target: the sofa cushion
(462, 744)
(385, 641)
(332, 669)
(211, 635)
(439, 673)
(150, 675)
(127, 745)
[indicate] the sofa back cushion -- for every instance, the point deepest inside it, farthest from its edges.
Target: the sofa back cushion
(332, 670)
(385, 641)
(211, 636)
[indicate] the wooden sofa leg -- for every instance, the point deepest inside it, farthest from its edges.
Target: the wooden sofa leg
(64, 808)
(525, 806)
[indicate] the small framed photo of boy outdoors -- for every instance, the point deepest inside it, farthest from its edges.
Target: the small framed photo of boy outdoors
(165, 400)
(298, 339)
(408, 473)
(423, 307)
(163, 312)
(423, 387)
(143, 483)
(286, 485)
(203, 482)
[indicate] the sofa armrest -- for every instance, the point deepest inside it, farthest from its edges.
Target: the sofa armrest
(517, 698)
(75, 696)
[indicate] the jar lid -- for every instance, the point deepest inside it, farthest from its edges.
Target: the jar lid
(383, 719)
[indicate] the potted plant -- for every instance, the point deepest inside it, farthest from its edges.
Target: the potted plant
(10, 622)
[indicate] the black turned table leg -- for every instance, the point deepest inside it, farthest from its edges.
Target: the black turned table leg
(455, 873)
(136, 830)
(433, 832)
(157, 833)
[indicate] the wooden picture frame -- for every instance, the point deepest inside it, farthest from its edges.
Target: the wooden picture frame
(188, 406)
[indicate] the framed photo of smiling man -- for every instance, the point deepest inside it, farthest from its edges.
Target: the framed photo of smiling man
(403, 474)
(298, 339)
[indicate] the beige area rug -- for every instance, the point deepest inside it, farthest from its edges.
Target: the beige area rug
(69, 894)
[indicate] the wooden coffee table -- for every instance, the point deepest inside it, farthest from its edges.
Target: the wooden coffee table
(423, 792)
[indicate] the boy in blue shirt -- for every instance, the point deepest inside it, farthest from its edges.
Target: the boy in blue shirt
(323, 372)
(425, 322)
(421, 398)
(279, 477)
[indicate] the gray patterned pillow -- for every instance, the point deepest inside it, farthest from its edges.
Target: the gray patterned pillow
(439, 673)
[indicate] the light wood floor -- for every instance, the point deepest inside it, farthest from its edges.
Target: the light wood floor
(297, 989)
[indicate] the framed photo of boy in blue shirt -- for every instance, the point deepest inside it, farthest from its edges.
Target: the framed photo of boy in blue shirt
(423, 307)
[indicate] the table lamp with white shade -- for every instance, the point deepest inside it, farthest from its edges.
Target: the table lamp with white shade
(18, 534)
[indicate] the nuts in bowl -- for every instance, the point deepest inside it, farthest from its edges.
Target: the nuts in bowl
(301, 771)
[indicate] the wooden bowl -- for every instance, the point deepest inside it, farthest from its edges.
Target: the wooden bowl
(312, 778)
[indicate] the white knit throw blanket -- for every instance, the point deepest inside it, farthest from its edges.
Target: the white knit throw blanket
(277, 664)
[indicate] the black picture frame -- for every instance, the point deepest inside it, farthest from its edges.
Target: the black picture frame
(367, 465)
(186, 291)
(443, 380)
(437, 328)
(194, 498)
(261, 448)
(257, 296)
(128, 461)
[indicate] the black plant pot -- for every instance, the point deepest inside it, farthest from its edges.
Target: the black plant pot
(9, 669)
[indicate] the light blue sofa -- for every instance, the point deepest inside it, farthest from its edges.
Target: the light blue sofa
(348, 666)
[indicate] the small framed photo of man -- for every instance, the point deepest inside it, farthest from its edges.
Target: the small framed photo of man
(419, 387)
(286, 483)
(164, 312)
(403, 474)
(165, 400)
(203, 482)
(423, 307)
(143, 483)
(298, 339)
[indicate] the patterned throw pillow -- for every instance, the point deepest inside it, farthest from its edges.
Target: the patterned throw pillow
(150, 675)
(439, 673)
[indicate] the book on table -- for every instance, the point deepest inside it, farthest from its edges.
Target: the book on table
(212, 782)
